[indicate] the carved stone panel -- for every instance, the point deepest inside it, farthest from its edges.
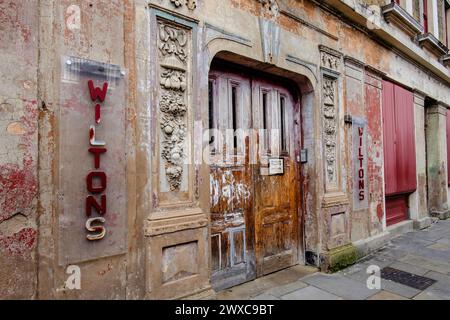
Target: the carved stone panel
(172, 112)
(330, 129)
(330, 61)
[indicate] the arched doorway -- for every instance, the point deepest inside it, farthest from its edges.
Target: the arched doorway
(255, 196)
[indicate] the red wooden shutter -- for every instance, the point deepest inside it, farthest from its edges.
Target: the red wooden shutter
(405, 142)
(390, 163)
(399, 140)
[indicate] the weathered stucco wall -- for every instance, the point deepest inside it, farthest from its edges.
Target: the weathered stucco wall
(18, 144)
(163, 226)
(96, 31)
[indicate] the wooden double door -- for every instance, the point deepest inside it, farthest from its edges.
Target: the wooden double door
(254, 177)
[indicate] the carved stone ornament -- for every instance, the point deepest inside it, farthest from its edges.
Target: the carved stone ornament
(173, 110)
(329, 58)
(271, 7)
(190, 4)
(172, 105)
(172, 42)
(330, 128)
(329, 61)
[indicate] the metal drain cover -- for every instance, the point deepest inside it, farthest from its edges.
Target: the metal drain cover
(406, 278)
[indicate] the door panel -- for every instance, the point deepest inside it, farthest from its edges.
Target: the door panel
(275, 204)
(254, 215)
(230, 184)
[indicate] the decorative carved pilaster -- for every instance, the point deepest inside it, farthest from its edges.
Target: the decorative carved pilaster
(330, 128)
(172, 105)
(330, 62)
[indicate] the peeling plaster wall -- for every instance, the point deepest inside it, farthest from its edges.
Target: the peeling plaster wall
(118, 32)
(97, 33)
(18, 151)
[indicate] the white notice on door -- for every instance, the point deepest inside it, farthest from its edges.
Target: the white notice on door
(276, 166)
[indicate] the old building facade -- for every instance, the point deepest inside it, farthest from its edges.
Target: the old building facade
(166, 148)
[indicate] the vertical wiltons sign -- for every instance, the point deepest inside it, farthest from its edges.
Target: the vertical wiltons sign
(360, 188)
(95, 224)
(92, 161)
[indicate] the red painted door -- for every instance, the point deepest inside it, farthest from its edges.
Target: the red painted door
(399, 150)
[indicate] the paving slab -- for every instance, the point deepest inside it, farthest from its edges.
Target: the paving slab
(310, 293)
(445, 240)
(427, 263)
(431, 234)
(290, 275)
(399, 289)
(427, 295)
(358, 267)
(440, 277)
(437, 291)
(414, 269)
(247, 290)
(386, 295)
(433, 254)
(410, 240)
(360, 276)
(341, 286)
(389, 254)
(378, 260)
(265, 296)
(386, 285)
(287, 288)
(441, 288)
(441, 246)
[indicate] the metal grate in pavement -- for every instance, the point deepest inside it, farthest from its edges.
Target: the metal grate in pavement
(406, 278)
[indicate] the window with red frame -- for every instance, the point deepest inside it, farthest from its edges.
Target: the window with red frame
(425, 16)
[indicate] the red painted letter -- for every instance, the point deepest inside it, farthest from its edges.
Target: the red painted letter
(92, 202)
(96, 92)
(90, 181)
(97, 152)
(97, 113)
